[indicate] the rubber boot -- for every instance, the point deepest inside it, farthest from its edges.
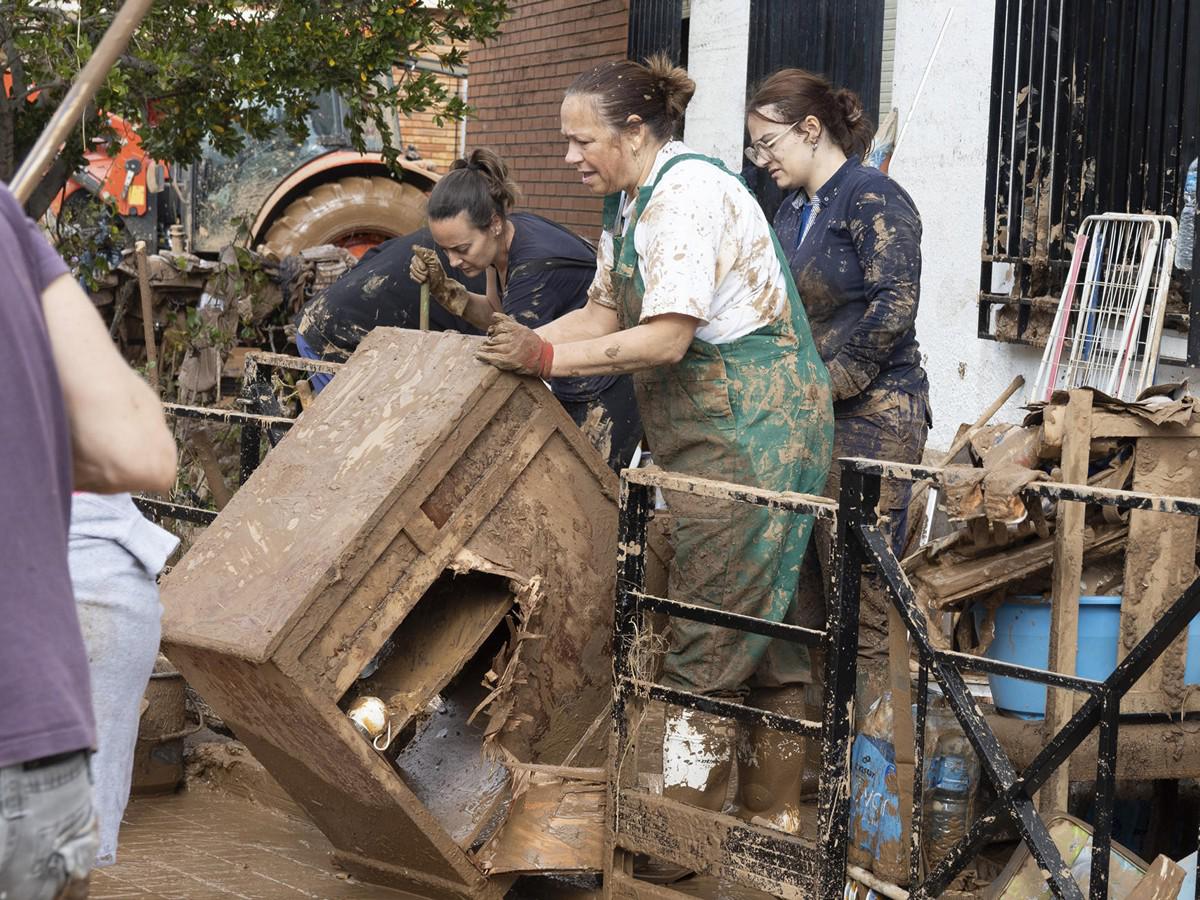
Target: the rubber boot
(771, 763)
(697, 759)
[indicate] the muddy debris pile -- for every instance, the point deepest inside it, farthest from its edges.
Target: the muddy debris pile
(207, 312)
(992, 543)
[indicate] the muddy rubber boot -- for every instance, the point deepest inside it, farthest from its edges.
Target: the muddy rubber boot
(697, 758)
(771, 763)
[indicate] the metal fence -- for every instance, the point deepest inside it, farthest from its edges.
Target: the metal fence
(641, 822)
(865, 544)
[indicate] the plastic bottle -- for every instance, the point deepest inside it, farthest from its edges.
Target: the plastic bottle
(1187, 222)
(950, 794)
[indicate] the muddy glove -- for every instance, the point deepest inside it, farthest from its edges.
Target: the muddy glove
(426, 267)
(515, 348)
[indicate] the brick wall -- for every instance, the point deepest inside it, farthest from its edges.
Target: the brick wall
(516, 87)
(438, 145)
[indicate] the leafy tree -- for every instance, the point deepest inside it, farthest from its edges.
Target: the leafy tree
(219, 70)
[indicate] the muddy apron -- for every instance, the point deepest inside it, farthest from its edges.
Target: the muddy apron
(756, 411)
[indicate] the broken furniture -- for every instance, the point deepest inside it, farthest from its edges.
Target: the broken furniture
(1129, 876)
(438, 534)
(812, 864)
(1102, 701)
(1159, 444)
(257, 369)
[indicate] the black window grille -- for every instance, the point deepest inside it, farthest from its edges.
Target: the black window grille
(1095, 107)
(656, 26)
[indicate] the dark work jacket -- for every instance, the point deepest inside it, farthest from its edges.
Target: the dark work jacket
(859, 274)
(377, 292)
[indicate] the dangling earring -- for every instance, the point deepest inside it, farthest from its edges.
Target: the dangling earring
(814, 142)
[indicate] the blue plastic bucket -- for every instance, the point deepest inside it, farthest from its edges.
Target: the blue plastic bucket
(1023, 637)
(1191, 663)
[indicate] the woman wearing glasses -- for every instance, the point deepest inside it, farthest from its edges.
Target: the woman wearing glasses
(853, 242)
(693, 296)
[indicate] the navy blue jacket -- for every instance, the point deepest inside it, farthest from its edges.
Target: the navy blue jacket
(858, 271)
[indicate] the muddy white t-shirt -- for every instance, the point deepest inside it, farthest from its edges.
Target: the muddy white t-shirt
(704, 250)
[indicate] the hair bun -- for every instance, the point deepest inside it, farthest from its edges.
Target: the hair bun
(850, 105)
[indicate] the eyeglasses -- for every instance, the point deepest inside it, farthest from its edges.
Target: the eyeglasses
(760, 152)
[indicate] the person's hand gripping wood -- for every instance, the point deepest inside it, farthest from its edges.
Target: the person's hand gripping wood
(515, 348)
(426, 267)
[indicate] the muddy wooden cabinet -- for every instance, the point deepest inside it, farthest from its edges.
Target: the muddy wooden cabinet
(438, 534)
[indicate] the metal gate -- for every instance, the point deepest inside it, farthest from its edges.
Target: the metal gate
(865, 544)
(642, 822)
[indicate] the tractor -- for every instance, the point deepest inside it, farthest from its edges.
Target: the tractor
(274, 192)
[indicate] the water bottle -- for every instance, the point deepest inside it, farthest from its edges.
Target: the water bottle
(953, 778)
(1187, 221)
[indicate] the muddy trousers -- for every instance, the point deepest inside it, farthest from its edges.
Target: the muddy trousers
(610, 422)
(48, 835)
(895, 432)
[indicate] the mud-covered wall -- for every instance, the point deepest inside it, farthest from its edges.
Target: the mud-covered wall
(942, 163)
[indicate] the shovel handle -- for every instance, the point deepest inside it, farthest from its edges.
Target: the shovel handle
(425, 306)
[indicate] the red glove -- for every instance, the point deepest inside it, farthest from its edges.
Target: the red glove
(515, 348)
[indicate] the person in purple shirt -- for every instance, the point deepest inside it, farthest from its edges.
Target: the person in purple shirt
(853, 241)
(72, 413)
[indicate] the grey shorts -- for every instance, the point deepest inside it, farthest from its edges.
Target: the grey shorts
(48, 835)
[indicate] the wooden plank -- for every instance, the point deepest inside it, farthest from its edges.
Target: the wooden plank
(555, 826)
(1107, 424)
(625, 887)
(951, 583)
(717, 845)
(1068, 569)
(441, 633)
(1159, 565)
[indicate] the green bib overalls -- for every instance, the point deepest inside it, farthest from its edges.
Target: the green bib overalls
(756, 411)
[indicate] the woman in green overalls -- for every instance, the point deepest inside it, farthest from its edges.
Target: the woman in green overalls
(692, 296)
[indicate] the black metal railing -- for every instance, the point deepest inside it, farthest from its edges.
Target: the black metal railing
(864, 543)
(773, 861)
(791, 867)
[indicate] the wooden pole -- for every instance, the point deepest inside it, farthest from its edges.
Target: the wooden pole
(143, 275)
(1067, 571)
(425, 306)
(71, 110)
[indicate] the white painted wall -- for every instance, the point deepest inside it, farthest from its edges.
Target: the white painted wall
(941, 163)
(718, 42)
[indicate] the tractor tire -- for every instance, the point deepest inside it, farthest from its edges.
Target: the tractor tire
(356, 212)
